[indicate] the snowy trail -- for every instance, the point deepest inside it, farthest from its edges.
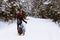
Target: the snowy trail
(36, 29)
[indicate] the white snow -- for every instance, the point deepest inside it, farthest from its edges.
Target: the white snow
(47, 2)
(22, 0)
(5, 0)
(36, 29)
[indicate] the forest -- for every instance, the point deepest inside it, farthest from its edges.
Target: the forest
(47, 9)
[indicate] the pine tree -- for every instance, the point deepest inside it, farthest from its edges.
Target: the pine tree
(9, 10)
(46, 9)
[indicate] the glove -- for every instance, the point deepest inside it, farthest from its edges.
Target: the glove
(26, 22)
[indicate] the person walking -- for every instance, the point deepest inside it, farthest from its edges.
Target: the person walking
(21, 17)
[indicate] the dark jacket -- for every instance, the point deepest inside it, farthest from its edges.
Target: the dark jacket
(21, 17)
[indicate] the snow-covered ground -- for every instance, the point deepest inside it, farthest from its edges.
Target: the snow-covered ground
(36, 29)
